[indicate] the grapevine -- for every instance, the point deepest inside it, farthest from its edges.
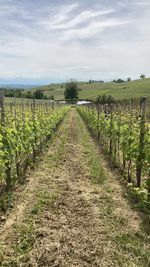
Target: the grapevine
(22, 135)
(125, 137)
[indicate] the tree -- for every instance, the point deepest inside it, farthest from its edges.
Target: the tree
(110, 99)
(142, 76)
(105, 99)
(119, 81)
(128, 79)
(29, 95)
(71, 90)
(38, 94)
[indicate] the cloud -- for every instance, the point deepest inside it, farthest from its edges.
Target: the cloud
(83, 17)
(93, 29)
(54, 40)
(57, 16)
(141, 3)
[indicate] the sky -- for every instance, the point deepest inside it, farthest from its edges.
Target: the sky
(44, 41)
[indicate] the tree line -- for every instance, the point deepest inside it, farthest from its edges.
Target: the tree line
(22, 93)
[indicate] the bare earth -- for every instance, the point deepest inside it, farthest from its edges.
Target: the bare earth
(73, 212)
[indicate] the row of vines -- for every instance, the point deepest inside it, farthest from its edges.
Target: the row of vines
(124, 135)
(25, 128)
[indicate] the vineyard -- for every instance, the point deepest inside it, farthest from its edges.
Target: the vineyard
(121, 129)
(25, 129)
(124, 135)
(68, 206)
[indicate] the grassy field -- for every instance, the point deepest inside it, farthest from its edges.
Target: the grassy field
(133, 89)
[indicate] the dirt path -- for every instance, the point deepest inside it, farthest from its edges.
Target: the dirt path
(72, 213)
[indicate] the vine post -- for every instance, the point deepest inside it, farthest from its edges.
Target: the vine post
(34, 128)
(140, 158)
(52, 105)
(2, 108)
(111, 129)
(7, 166)
(130, 132)
(98, 114)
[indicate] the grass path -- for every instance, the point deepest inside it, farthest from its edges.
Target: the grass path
(73, 212)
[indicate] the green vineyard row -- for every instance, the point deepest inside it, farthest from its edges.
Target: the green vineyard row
(124, 137)
(23, 133)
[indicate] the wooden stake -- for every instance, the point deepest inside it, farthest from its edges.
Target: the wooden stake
(140, 157)
(2, 108)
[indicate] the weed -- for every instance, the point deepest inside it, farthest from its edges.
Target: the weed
(43, 199)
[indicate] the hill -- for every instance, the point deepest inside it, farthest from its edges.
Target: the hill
(133, 89)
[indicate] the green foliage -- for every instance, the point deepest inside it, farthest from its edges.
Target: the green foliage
(26, 238)
(105, 99)
(43, 199)
(29, 95)
(71, 90)
(142, 76)
(119, 81)
(38, 94)
(13, 92)
(6, 201)
(22, 136)
(119, 133)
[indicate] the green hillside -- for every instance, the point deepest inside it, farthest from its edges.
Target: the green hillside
(124, 90)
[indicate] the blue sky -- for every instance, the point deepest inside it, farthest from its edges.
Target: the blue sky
(45, 41)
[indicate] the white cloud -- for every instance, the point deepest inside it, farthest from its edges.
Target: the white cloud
(142, 3)
(58, 15)
(83, 17)
(92, 29)
(73, 40)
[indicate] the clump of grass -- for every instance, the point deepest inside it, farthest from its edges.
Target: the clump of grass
(96, 170)
(13, 262)
(6, 201)
(43, 199)
(26, 238)
(26, 232)
(132, 246)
